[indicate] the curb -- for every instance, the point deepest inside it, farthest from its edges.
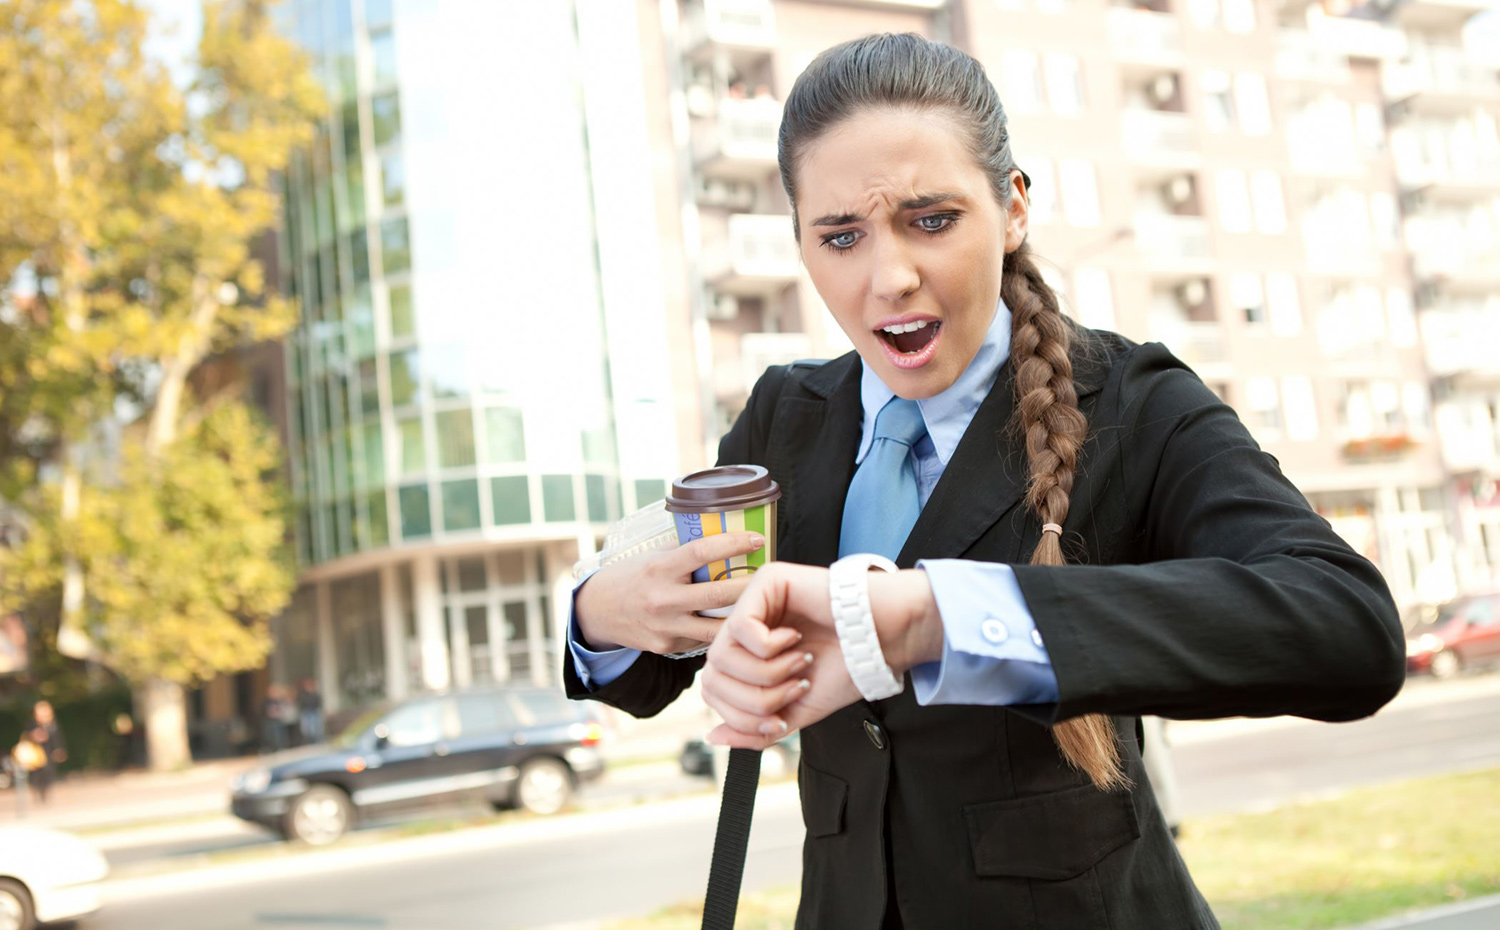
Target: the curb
(1417, 918)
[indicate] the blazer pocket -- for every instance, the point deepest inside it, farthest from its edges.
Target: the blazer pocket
(1051, 836)
(823, 800)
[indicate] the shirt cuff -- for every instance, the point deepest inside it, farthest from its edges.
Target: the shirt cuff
(595, 668)
(992, 651)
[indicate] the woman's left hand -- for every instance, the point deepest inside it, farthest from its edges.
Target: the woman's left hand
(766, 683)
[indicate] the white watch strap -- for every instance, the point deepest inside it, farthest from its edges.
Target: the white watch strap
(849, 597)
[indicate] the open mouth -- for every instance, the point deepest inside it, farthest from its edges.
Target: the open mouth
(910, 338)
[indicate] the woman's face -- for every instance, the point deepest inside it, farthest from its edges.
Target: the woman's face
(899, 226)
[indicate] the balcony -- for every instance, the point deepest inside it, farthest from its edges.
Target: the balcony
(1438, 15)
(1302, 56)
(1460, 341)
(756, 256)
(1145, 38)
(739, 142)
(1200, 345)
(1443, 80)
(759, 351)
(1173, 243)
(1358, 38)
(744, 31)
(1160, 139)
(1460, 183)
(1458, 271)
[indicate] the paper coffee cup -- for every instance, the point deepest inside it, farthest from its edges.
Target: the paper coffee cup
(727, 499)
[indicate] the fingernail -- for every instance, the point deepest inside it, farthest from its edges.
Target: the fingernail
(804, 684)
(799, 636)
(807, 658)
(757, 541)
(772, 728)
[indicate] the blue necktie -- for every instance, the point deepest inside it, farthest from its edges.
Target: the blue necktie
(883, 500)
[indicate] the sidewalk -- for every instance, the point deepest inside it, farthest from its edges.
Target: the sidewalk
(90, 800)
(1479, 914)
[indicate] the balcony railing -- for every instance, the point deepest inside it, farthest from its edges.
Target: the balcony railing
(1159, 137)
(1301, 56)
(1460, 269)
(1461, 341)
(1172, 237)
(1442, 72)
(739, 142)
(1198, 344)
(747, 25)
(1144, 35)
(1358, 38)
(757, 255)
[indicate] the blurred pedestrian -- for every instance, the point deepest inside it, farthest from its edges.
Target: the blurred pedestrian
(310, 712)
(278, 714)
(50, 749)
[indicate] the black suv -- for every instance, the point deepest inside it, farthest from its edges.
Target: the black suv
(513, 746)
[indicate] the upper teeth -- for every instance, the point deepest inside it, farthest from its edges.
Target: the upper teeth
(905, 327)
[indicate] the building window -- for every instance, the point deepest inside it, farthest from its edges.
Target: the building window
(372, 474)
(1022, 83)
(403, 323)
(1248, 298)
(385, 114)
(1263, 407)
(1042, 196)
(505, 440)
(1402, 317)
(1270, 206)
(1252, 104)
(395, 246)
(1282, 304)
(1080, 191)
(1301, 408)
(460, 505)
(1234, 201)
(558, 504)
(383, 50)
(510, 500)
(413, 446)
(404, 377)
(1239, 15)
(416, 511)
(392, 178)
(1218, 100)
(455, 436)
(1064, 84)
(1386, 220)
(379, 523)
(649, 491)
(1369, 128)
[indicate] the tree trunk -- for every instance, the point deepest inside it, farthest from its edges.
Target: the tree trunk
(161, 706)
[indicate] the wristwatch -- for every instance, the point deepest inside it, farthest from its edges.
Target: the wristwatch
(849, 597)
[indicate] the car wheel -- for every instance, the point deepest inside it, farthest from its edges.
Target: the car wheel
(320, 816)
(544, 787)
(1446, 664)
(15, 906)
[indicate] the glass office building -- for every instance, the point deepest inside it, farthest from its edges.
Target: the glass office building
(451, 416)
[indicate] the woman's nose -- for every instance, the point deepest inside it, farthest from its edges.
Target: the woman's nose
(894, 273)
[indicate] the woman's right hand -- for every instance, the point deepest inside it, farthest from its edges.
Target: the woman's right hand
(647, 601)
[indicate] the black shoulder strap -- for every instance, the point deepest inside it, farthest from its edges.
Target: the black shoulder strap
(737, 808)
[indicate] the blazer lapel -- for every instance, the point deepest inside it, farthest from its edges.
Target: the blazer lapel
(812, 447)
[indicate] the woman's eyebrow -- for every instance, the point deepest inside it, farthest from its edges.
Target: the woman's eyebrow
(915, 203)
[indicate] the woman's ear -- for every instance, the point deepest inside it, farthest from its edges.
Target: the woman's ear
(1019, 214)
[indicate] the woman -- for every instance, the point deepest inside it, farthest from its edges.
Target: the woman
(1085, 535)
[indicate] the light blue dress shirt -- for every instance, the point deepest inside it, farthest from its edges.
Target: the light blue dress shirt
(992, 652)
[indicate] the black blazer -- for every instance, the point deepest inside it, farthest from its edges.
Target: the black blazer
(1200, 584)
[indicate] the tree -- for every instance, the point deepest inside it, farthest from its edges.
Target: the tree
(133, 205)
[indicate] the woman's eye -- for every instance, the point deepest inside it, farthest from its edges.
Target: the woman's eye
(935, 222)
(841, 241)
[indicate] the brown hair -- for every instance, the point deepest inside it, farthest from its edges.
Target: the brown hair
(910, 71)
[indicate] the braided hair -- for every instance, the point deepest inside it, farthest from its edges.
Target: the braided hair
(910, 71)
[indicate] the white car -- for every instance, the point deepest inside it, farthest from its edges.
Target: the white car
(46, 876)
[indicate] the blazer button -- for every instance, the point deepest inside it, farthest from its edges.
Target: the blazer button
(875, 733)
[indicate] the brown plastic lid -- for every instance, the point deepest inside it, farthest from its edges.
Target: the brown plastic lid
(728, 487)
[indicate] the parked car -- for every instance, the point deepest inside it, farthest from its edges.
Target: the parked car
(1465, 634)
(516, 746)
(46, 876)
(697, 757)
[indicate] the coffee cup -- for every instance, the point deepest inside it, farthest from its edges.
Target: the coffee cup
(726, 499)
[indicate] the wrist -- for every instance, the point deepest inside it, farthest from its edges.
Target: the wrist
(906, 618)
(588, 633)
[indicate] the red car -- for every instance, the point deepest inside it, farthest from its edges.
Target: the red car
(1465, 634)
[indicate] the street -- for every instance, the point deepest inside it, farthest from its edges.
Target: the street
(629, 860)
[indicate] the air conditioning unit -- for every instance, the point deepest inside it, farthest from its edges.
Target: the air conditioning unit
(1193, 293)
(1179, 190)
(1163, 89)
(722, 306)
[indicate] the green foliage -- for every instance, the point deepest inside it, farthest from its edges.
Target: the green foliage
(133, 207)
(184, 554)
